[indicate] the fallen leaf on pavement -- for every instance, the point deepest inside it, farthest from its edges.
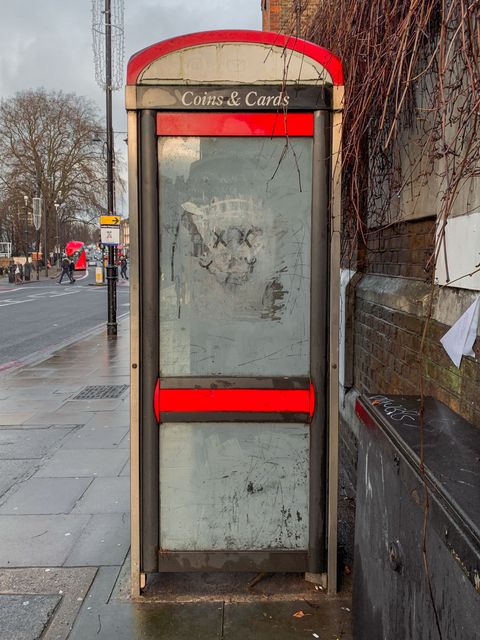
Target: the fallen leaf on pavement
(298, 614)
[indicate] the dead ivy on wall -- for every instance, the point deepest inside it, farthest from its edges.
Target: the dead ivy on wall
(411, 125)
(412, 106)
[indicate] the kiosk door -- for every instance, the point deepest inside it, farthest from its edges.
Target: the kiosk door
(241, 241)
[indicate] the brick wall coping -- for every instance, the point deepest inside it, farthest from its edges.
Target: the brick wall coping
(412, 296)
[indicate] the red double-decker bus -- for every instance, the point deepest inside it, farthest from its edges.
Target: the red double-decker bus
(75, 250)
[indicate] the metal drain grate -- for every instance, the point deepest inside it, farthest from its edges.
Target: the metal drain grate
(102, 392)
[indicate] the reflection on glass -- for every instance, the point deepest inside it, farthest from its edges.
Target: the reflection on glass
(235, 256)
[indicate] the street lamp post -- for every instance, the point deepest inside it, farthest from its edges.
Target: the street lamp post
(45, 250)
(57, 206)
(111, 267)
(37, 221)
(107, 30)
(25, 199)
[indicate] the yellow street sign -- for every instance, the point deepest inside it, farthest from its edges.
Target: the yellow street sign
(109, 221)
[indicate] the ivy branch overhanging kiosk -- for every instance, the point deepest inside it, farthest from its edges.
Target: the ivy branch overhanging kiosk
(234, 183)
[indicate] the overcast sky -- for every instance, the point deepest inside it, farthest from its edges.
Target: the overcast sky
(48, 43)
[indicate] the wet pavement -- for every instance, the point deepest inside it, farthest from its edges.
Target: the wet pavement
(65, 531)
(40, 317)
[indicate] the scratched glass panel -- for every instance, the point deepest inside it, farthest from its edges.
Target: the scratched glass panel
(233, 486)
(235, 256)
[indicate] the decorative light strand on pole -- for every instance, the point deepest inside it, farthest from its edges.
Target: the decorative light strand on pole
(117, 12)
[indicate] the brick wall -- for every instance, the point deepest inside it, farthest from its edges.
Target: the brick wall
(347, 481)
(387, 353)
(390, 307)
(280, 15)
(348, 458)
(403, 249)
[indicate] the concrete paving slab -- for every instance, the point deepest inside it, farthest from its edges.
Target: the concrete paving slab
(129, 621)
(67, 463)
(16, 383)
(105, 495)
(105, 541)
(70, 584)
(45, 404)
(32, 391)
(64, 389)
(111, 419)
(25, 617)
(38, 541)
(102, 587)
(13, 470)
(47, 368)
(18, 444)
(15, 418)
(262, 612)
(95, 437)
(45, 496)
(103, 378)
(276, 620)
(116, 369)
(95, 405)
(61, 416)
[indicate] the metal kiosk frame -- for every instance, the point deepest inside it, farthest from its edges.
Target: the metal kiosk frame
(234, 83)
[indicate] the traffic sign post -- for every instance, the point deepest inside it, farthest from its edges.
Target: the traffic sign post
(110, 236)
(109, 221)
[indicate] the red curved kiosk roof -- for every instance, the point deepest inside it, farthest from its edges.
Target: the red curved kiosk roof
(142, 59)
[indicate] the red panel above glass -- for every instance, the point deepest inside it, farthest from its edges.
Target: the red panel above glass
(235, 124)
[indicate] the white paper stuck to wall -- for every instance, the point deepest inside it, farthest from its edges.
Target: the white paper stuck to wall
(459, 339)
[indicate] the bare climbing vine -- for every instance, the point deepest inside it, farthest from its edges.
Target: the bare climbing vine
(411, 125)
(412, 106)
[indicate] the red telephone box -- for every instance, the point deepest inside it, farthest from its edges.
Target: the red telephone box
(233, 137)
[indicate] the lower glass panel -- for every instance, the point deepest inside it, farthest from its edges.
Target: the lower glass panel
(238, 486)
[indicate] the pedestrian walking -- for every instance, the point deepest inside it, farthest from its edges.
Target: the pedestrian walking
(65, 270)
(19, 274)
(27, 271)
(72, 270)
(123, 268)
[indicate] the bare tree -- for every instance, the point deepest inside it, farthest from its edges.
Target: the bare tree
(49, 147)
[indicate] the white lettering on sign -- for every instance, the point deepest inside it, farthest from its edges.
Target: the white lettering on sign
(235, 99)
(189, 99)
(252, 99)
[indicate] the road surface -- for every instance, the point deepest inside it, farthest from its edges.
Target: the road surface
(39, 317)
